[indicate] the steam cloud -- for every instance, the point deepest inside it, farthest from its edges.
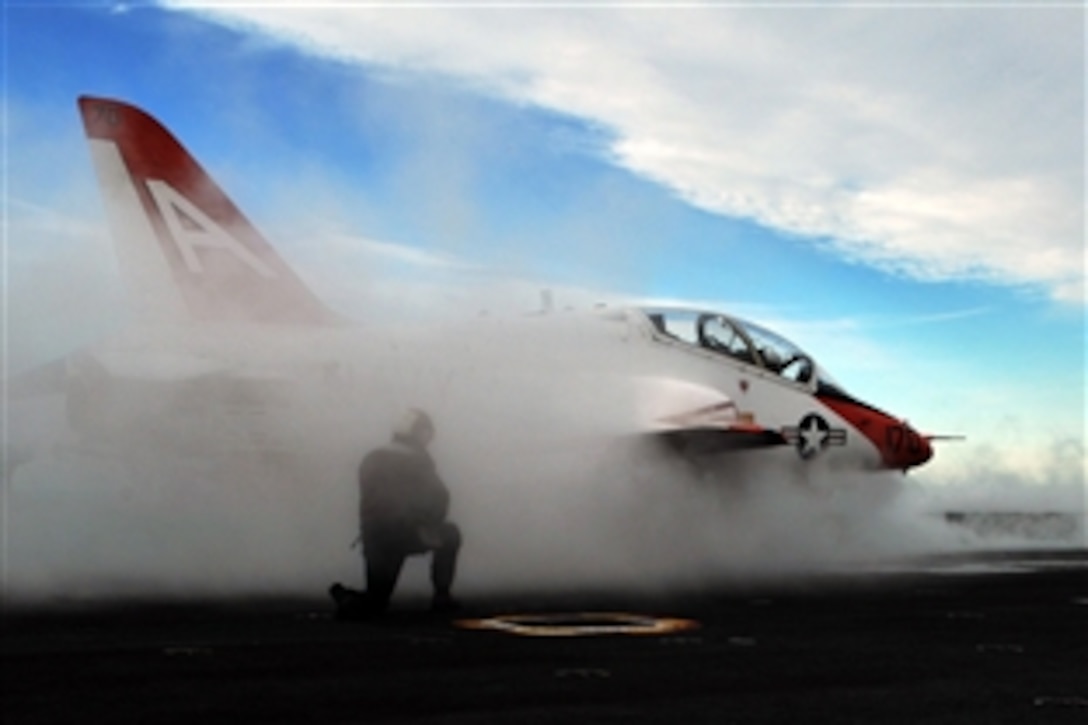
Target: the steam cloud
(549, 486)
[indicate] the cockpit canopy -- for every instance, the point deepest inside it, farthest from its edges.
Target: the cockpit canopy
(740, 340)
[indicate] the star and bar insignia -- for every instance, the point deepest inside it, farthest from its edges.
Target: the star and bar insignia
(812, 435)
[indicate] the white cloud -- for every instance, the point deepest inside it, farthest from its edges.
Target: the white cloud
(936, 142)
(398, 253)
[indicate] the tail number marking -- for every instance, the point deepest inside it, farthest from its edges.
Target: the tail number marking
(901, 437)
(104, 114)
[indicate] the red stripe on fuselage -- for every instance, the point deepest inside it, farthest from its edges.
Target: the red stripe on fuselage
(900, 446)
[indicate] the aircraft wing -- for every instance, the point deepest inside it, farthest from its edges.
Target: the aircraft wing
(703, 441)
(716, 428)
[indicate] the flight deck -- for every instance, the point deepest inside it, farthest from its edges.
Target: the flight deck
(987, 637)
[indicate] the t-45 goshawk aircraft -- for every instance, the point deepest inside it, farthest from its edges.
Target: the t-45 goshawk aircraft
(230, 338)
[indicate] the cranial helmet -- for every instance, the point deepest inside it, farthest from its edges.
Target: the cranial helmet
(771, 358)
(416, 425)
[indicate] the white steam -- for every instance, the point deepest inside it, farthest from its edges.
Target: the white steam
(258, 496)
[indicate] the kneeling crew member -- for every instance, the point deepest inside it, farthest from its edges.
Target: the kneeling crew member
(402, 511)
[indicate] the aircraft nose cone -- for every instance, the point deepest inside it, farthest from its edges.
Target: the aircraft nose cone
(904, 447)
(925, 452)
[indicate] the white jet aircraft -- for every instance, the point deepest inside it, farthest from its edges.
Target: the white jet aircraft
(230, 345)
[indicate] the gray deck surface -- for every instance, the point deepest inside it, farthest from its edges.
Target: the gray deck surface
(999, 637)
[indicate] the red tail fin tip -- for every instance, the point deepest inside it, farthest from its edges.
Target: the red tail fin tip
(173, 224)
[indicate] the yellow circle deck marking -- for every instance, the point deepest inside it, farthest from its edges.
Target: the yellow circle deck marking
(580, 624)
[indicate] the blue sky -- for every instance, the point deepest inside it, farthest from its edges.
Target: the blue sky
(901, 191)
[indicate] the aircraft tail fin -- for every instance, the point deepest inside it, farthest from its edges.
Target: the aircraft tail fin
(185, 249)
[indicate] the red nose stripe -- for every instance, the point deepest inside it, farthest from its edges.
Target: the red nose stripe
(900, 446)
